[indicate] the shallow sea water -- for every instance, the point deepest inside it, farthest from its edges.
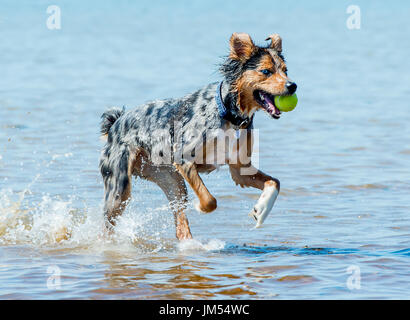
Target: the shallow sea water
(342, 156)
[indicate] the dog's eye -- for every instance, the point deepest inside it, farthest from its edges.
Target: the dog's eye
(266, 72)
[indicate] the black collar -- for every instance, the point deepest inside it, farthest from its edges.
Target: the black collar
(231, 115)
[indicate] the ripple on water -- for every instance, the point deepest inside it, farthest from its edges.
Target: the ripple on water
(366, 186)
(297, 278)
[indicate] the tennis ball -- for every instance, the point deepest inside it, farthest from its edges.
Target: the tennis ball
(286, 103)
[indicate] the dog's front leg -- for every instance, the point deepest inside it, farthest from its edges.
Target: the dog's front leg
(207, 203)
(262, 181)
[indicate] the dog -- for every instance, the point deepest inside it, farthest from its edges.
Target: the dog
(172, 129)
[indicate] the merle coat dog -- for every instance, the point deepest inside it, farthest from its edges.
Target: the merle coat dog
(171, 141)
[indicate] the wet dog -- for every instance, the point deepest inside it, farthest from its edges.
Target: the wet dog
(171, 141)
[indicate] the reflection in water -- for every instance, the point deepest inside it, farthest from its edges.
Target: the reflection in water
(170, 278)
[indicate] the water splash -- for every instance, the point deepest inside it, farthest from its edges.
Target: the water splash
(55, 223)
(194, 245)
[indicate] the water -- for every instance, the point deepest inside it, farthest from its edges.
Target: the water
(342, 155)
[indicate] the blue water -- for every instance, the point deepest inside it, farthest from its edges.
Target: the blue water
(342, 156)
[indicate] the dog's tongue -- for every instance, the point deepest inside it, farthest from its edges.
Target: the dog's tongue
(271, 105)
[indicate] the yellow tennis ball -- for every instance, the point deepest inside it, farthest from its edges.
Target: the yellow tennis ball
(286, 103)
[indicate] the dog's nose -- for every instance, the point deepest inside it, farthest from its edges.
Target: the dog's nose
(291, 86)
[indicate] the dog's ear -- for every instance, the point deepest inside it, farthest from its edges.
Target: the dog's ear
(242, 46)
(276, 42)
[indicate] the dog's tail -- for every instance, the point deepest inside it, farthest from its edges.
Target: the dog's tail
(108, 118)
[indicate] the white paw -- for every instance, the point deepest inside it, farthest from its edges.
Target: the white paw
(264, 205)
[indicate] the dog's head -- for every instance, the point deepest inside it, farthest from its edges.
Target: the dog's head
(257, 74)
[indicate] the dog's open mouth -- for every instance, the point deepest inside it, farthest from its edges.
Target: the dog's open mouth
(267, 101)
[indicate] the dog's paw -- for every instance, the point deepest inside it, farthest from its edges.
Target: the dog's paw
(257, 213)
(264, 205)
(254, 213)
(207, 207)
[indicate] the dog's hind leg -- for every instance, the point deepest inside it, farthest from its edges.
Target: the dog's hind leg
(116, 167)
(207, 202)
(173, 185)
